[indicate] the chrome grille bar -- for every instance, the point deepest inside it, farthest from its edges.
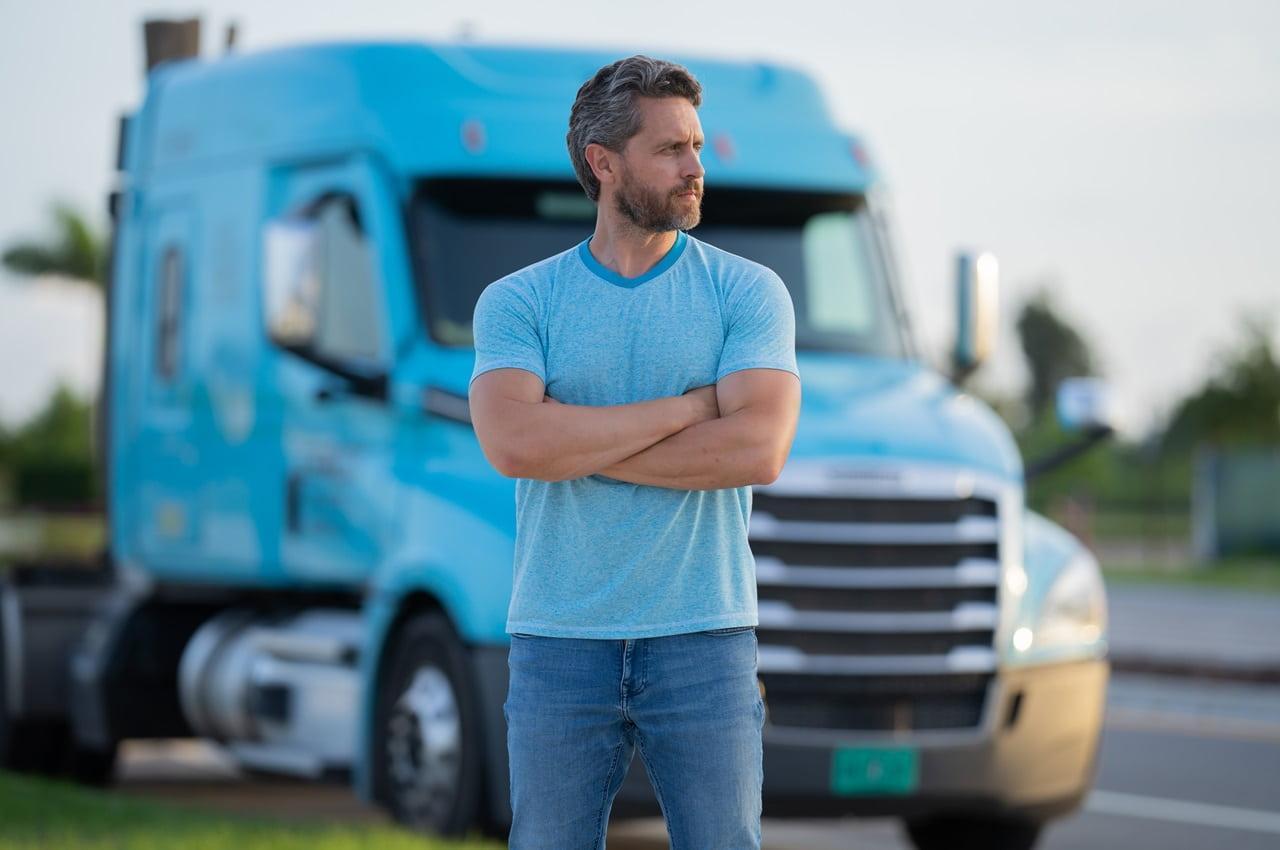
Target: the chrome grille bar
(971, 572)
(971, 529)
(965, 617)
(782, 659)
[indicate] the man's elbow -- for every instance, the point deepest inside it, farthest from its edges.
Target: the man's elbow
(502, 459)
(770, 440)
(509, 437)
(505, 454)
(773, 456)
(769, 467)
(511, 461)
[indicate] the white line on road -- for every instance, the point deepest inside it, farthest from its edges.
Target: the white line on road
(1183, 811)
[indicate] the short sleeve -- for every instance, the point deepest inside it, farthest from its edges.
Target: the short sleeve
(761, 330)
(505, 327)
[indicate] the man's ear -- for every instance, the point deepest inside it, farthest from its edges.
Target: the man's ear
(602, 162)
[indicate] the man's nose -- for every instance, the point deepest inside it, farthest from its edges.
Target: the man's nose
(693, 169)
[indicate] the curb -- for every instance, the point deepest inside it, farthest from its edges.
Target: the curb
(1226, 671)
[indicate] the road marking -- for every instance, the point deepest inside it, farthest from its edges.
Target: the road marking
(1183, 811)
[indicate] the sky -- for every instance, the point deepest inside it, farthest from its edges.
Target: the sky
(1125, 154)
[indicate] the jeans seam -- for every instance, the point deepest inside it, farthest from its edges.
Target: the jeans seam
(657, 787)
(604, 801)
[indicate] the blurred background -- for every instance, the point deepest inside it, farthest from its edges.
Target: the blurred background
(1119, 160)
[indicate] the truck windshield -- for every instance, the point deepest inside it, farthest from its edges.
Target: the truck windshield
(468, 233)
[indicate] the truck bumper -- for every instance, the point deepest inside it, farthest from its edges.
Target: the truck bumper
(1033, 756)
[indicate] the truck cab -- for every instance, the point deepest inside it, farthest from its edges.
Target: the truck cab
(310, 558)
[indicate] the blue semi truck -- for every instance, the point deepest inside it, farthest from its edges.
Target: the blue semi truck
(309, 558)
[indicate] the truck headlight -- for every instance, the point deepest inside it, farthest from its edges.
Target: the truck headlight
(1074, 610)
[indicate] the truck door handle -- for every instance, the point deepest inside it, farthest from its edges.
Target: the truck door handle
(293, 501)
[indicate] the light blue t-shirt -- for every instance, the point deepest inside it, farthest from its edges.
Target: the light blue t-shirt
(596, 557)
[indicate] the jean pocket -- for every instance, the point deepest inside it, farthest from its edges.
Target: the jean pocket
(732, 630)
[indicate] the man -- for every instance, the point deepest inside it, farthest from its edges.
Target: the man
(636, 385)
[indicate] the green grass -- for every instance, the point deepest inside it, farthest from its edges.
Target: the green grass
(1246, 574)
(44, 813)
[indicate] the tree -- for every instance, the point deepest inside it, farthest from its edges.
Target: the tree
(75, 250)
(1239, 403)
(49, 461)
(1054, 350)
(49, 458)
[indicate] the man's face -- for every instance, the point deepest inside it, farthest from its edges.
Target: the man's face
(661, 176)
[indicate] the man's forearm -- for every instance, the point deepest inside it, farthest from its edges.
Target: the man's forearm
(557, 442)
(732, 451)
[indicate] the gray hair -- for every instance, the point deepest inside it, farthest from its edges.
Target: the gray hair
(605, 111)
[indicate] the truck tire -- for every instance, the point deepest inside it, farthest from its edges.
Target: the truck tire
(18, 750)
(86, 766)
(24, 746)
(962, 832)
(58, 755)
(428, 758)
(46, 746)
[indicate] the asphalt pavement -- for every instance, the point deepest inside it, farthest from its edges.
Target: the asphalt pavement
(1184, 764)
(1189, 758)
(1204, 632)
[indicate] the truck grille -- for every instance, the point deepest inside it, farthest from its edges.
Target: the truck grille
(877, 613)
(876, 702)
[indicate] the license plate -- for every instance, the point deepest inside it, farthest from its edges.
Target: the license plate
(874, 770)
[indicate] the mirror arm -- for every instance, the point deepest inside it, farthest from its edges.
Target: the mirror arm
(1087, 440)
(960, 372)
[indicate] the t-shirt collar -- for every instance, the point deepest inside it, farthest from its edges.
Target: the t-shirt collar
(667, 261)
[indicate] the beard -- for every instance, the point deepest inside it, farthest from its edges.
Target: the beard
(654, 212)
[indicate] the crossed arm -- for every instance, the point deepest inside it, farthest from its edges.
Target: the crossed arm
(734, 433)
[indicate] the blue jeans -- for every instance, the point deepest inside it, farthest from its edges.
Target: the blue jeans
(578, 708)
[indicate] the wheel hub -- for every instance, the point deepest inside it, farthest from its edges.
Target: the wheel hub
(424, 747)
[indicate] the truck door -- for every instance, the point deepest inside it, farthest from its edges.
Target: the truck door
(332, 241)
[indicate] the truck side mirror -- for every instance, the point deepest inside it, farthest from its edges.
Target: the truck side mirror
(293, 291)
(977, 312)
(1084, 409)
(1084, 404)
(291, 284)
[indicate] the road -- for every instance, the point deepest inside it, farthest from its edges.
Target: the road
(1187, 628)
(1184, 764)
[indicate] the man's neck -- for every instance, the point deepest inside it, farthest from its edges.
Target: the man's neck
(619, 246)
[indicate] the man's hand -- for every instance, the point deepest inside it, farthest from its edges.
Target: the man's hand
(747, 445)
(707, 401)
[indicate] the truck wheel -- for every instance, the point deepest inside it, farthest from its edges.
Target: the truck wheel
(86, 766)
(59, 755)
(18, 750)
(427, 757)
(23, 747)
(47, 747)
(961, 832)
